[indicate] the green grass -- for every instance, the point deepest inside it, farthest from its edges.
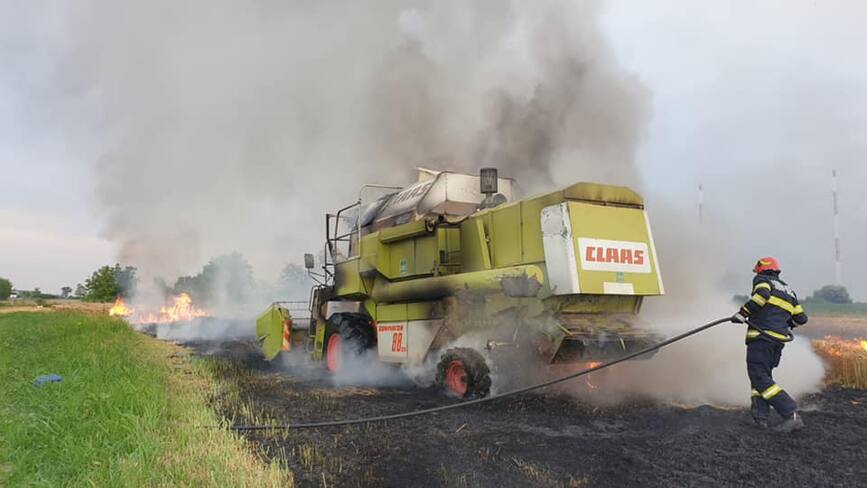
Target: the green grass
(129, 411)
(833, 309)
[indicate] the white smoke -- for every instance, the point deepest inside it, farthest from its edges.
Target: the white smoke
(709, 367)
(199, 330)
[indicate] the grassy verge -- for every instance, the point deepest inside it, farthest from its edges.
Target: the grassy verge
(128, 412)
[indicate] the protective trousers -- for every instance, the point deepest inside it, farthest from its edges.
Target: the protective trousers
(762, 357)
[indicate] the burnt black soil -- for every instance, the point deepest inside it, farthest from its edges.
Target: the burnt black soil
(535, 440)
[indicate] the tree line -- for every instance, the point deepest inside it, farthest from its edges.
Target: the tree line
(832, 294)
(229, 279)
(226, 279)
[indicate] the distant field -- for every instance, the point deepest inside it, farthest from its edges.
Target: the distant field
(11, 306)
(831, 309)
(843, 321)
(130, 411)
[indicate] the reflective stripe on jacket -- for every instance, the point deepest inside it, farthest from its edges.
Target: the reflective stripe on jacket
(773, 307)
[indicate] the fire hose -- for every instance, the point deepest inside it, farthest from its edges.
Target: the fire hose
(519, 391)
(776, 338)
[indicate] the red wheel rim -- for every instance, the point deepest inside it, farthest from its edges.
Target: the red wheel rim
(456, 378)
(332, 353)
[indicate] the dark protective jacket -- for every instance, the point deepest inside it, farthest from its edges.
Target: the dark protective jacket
(773, 308)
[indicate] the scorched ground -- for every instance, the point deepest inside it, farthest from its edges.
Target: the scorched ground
(534, 440)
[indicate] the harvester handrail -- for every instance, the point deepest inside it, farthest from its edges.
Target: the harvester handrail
(519, 391)
(335, 238)
(293, 305)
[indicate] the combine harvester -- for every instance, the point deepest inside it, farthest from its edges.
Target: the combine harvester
(454, 259)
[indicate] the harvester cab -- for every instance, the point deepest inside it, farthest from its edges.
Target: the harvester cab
(457, 259)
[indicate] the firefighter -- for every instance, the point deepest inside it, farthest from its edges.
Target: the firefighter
(770, 314)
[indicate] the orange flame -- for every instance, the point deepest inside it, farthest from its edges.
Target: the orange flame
(846, 360)
(590, 384)
(837, 346)
(119, 309)
(181, 309)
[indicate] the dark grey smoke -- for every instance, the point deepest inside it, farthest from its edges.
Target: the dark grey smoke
(533, 89)
(233, 128)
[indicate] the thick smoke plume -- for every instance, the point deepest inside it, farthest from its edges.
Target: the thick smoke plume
(233, 126)
(236, 127)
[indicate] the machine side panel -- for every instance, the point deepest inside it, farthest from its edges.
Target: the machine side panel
(506, 236)
(406, 341)
(401, 259)
(425, 255)
(348, 280)
(614, 250)
(448, 256)
(531, 230)
(560, 257)
(397, 312)
(475, 255)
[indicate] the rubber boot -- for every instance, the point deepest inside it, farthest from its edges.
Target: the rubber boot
(791, 424)
(759, 409)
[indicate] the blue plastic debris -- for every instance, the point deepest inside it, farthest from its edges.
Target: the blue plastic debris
(47, 378)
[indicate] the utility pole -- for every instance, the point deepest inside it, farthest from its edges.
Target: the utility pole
(838, 275)
(700, 204)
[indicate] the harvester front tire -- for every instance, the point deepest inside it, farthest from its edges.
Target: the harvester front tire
(347, 334)
(463, 372)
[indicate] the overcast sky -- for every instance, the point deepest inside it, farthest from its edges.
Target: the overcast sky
(756, 101)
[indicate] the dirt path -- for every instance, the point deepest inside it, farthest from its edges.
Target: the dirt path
(538, 440)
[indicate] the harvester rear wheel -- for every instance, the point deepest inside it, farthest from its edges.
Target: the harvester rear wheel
(464, 373)
(347, 334)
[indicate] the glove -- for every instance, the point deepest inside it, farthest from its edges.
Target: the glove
(738, 318)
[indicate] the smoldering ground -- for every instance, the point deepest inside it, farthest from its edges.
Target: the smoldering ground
(536, 440)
